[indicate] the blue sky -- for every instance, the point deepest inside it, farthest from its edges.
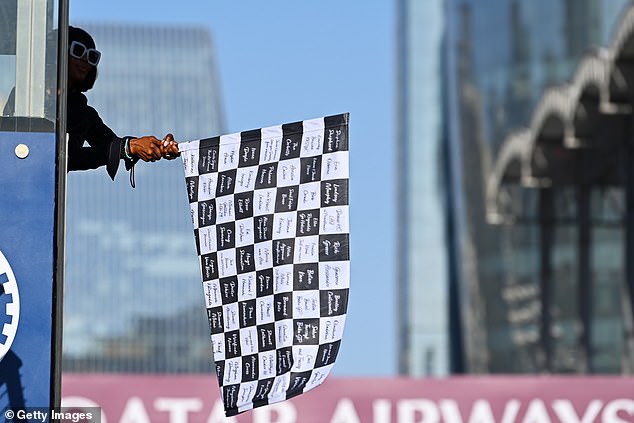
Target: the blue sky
(284, 61)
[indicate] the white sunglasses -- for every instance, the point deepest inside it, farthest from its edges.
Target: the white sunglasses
(78, 51)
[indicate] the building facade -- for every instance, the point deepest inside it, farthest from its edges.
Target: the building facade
(133, 300)
(540, 231)
(422, 290)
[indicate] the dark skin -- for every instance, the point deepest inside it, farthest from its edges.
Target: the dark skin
(147, 148)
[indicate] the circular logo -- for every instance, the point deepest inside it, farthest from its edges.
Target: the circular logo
(10, 297)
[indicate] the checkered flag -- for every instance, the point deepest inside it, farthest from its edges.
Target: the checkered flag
(271, 222)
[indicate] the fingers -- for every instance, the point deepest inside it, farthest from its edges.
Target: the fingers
(169, 147)
(151, 149)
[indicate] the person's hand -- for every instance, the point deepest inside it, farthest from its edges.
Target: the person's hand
(169, 148)
(148, 149)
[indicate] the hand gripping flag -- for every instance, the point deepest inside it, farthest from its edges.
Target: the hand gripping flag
(271, 223)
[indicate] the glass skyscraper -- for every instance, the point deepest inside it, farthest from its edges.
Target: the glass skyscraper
(133, 300)
(542, 273)
(423, 271)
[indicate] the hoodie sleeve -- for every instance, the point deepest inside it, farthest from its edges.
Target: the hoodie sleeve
(103, 147)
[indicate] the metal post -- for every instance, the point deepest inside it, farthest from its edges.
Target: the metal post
(584, 277)
(60, 206)
(628, 174)
(545, 261)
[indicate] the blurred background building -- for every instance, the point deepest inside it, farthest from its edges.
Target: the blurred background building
(538, 127)
(512, 227)
(132, 298)
(422, 261)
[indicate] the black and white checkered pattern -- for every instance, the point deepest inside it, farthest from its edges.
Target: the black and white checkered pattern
(271, 221)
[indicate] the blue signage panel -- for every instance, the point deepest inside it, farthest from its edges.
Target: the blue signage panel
(27, 224)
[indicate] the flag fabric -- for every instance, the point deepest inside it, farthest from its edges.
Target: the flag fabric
(270, 212)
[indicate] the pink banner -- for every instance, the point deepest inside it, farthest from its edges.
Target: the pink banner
(494, 399)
